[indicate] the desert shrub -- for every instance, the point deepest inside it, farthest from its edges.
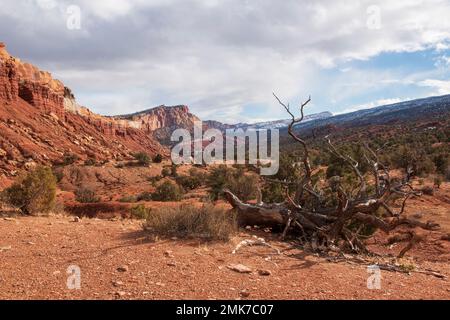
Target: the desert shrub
(242, 185)
(174, 170)
(167, 191)
(142, 158)
(427, 190)
(273, 193)
(188, 182)
(206, 222)
(34, 192)
(144, 196)
(155, 179)
(424, 167)
(86, 195)
(438, 181)
(165, 172)
(128, 199)
(218, 180)
(58, 173)
(90, 162)
(442, 162)
(158, 158)
(194, 180)
(69, 158)
(140, 212)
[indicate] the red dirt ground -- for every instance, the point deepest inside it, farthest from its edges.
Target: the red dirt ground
(38, 250)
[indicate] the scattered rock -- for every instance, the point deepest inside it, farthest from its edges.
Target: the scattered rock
(117, 283)
(76, 219)
(123, 269)
(264, 272)
(168, 254)
(245, 294)
(172, 264)
(120, 293)
(446, 237)
(239, 268)
(5, 248)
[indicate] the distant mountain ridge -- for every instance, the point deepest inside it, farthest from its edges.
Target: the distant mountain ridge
(392, 113)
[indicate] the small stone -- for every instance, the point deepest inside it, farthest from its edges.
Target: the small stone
(172, 264)
(244, 294)
(117, 283)
(123, 269)
(76, 219)
(264, 272)
(120, 293)
(168, 254)
(5, 248)
(239, 268)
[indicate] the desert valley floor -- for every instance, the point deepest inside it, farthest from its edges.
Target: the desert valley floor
(119, 261)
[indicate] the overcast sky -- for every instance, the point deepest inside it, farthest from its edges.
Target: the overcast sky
(225, 58)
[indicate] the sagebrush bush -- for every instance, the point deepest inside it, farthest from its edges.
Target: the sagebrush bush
(158, 158)
(90, 162)
(86, 195)
(34, 192)
(142, 158)
(165, 172)
(58, 173)
(69, 158)
(144, 196)
(187, 221)
(194, 180)
(428, 190)
(140, 212)
(242, 185)
(167, 191)
(129, 199)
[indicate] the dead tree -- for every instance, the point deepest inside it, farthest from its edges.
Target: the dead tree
(306, 213)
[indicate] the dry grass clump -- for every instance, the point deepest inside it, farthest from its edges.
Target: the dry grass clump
(188, 221)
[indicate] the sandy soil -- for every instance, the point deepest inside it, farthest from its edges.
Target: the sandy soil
(35, 253)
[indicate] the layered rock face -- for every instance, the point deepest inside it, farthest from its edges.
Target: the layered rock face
(38, 88)
(9, 78)
(161, 121)
(40, 121)
(161, 117)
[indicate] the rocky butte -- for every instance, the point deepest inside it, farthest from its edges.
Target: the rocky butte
(40, 121)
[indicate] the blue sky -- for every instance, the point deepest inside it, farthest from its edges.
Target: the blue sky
(225, 58)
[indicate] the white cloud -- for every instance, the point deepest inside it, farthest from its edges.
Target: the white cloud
(217, 56)
(441, 87)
